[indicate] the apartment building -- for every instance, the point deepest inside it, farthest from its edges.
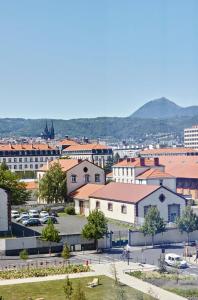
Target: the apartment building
(191, 137)
(128, 170)
(177, 151)
(27, 157)
(95, 153)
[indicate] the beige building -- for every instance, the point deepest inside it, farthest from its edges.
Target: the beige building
(130, 202)
(79, 173)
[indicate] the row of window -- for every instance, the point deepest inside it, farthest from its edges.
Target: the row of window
(29, 152)
(87, 178)
(26, 159)
(26, 166)
(110, 207)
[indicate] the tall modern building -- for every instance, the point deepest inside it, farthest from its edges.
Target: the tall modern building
(191, 137)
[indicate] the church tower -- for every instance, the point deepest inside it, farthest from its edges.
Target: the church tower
(52, 133)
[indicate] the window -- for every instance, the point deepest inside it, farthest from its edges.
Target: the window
(123, 209)
(85, 169)
(25, 159)
(15, 159)
(31, 159)
(31, 166)
(73, 178)
(26, 166)
(20, 159)
(36, 159)
(41, 159)
(97, 177)
(110, 206)
(4, 159)
(15, 167)
(9, 160)
(162, 197)
(97, 204)
(36, 166)
(87, 178)
(20, 167)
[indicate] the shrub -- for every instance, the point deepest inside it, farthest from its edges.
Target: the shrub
(23, 254)
(137, 274)
(70, 210)
(66, 252)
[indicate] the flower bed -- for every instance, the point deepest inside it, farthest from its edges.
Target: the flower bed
(41, 272)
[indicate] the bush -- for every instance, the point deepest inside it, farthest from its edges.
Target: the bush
(70, 210)
(42, 272)
(137, 274)
(23, 254)
(66, 252)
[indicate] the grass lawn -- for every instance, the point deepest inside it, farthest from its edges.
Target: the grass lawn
(53, 290)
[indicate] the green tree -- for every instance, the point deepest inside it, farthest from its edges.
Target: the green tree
(79, 293)
(16, 189)
(188, 222)
(50, 233)
(96, 227)
(153, 223)
(68, 289)
(116, 158)
(108, 165)
(52, 186)
(66, 252)
(23, 254)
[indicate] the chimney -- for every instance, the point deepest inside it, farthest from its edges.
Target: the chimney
(132, 159)
(142, 161)
(128, 159)
(156, 161)
(79, 161)
(120, 160)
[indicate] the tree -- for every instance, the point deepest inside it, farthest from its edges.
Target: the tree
(52, 186)
(23, 254)
(153, 223)
(16, 189)
(188, 222)
(96, 227)
(108, 165)
(50, 233)
(66, 252)
(116, 158)
(68, 289)
(79, 293)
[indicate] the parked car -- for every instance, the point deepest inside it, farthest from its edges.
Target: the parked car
(47, 218)
(44, 213)
(22, 218)
(175, 260)
(33, 213)
(53, 213)
(14, 214)
(24, 214)
(32, 222)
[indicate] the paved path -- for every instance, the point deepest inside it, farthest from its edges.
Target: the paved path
(106, 269)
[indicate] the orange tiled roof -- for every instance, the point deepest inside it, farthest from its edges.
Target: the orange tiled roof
(66, 164)
(86, 147)
(31, 185)
(154, 173)
(85, 191)
(109, 175)
(124, 192)
(181, 166)
(68, 142)
(135, 162)
(160, 151)
(12, 147)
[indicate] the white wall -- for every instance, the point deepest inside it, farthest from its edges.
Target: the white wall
(78, 170)
(153, 199)
(85, 206)
(167, 182)
(3, 211)
(116, 213)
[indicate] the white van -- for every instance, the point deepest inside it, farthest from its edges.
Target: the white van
(174, 260)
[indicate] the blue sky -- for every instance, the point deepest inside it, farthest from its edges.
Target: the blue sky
(69, 59)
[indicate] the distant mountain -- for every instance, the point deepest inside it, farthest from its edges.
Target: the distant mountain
(163, 108)
(154, 118)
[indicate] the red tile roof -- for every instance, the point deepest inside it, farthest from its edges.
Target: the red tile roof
(31, 185)
(86, 147)
(124, 192)
(154, 173)
(66, 164)
(85, 191)
(136, 162)
(12, 147)
(162, 151)
(67, 142)
(181, 166)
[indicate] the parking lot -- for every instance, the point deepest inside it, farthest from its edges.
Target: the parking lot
(73, 224)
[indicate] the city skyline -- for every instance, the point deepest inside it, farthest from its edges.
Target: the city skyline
(92, 59)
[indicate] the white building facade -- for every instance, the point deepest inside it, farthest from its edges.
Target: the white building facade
(191, 137)
(27, 157)
(5, 212)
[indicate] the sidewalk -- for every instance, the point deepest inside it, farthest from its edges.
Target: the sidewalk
(106, 269)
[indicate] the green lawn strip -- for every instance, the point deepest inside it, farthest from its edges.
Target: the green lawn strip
(51, 290)
(186, 293)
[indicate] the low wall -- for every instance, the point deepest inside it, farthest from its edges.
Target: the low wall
(171, 235)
